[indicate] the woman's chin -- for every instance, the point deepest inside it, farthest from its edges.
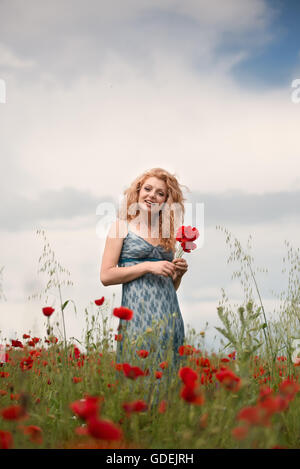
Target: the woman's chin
(145, 208)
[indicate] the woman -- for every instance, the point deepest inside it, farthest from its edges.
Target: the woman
(139, 254)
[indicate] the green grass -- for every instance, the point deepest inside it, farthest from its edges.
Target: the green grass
(263, 361)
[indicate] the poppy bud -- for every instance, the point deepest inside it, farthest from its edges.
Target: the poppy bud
(47, 311)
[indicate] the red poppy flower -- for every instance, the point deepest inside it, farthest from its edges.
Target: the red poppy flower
(47, 311)
(187, 233)
(26, 363)
(188, 375)
(35, 433)
(103, 429)
(203, 420)
(81, 431)
(85, 408)
(14, 412)
(229, 379)
(6, 440)
(16, 343)
(118, 337)
(188, 246)
(132, 372)
(4, 374)
(136, 406)
(186, 350)
(240, 433)
(289, 388)
(118, 366)
(142, 353)
(76, 379)
(203, 362)
(99, 302)
(163, 365)
(158, 374)
(26, 336)
(76, 352)
(191, 393)
(162, 407)
(264, 392)
(251, 414)
(273, 404)
(123, 313)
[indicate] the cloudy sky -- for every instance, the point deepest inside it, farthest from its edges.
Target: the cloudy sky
(98, 92)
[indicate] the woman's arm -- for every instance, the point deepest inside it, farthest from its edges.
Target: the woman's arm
(181, 269)
(117, 275)
(110, 273)
(176, 282)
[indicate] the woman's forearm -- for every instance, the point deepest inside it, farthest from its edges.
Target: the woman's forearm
(176, 282)
(117, 275)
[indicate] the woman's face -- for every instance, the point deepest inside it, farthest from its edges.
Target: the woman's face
(153, 194)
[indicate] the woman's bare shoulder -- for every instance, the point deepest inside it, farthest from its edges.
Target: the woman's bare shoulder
(118, 229)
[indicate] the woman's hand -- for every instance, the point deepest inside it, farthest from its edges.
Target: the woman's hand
(165, 268)
(181, 267)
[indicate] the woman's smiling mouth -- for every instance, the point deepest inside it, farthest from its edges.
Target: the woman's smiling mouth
(149, 203)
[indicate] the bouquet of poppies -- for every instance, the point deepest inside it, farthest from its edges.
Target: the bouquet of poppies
(186, 235)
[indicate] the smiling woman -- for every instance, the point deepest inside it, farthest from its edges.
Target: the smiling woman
(144, 263)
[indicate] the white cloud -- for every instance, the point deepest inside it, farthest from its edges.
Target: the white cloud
(213, 134)
(66, 37)
(236, 15)
(8, 59)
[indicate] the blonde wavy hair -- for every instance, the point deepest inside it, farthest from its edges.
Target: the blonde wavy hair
(171, 216)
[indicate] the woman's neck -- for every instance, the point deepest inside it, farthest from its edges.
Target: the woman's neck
(149, 228)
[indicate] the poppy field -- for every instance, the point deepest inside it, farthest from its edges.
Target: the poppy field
(65, 393)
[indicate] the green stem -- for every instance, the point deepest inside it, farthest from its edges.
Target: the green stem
(179, 254)
(265, 318)
(63, 316)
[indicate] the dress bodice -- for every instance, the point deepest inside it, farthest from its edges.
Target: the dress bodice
(137, 248)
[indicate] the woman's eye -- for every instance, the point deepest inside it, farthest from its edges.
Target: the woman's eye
(148, 189)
